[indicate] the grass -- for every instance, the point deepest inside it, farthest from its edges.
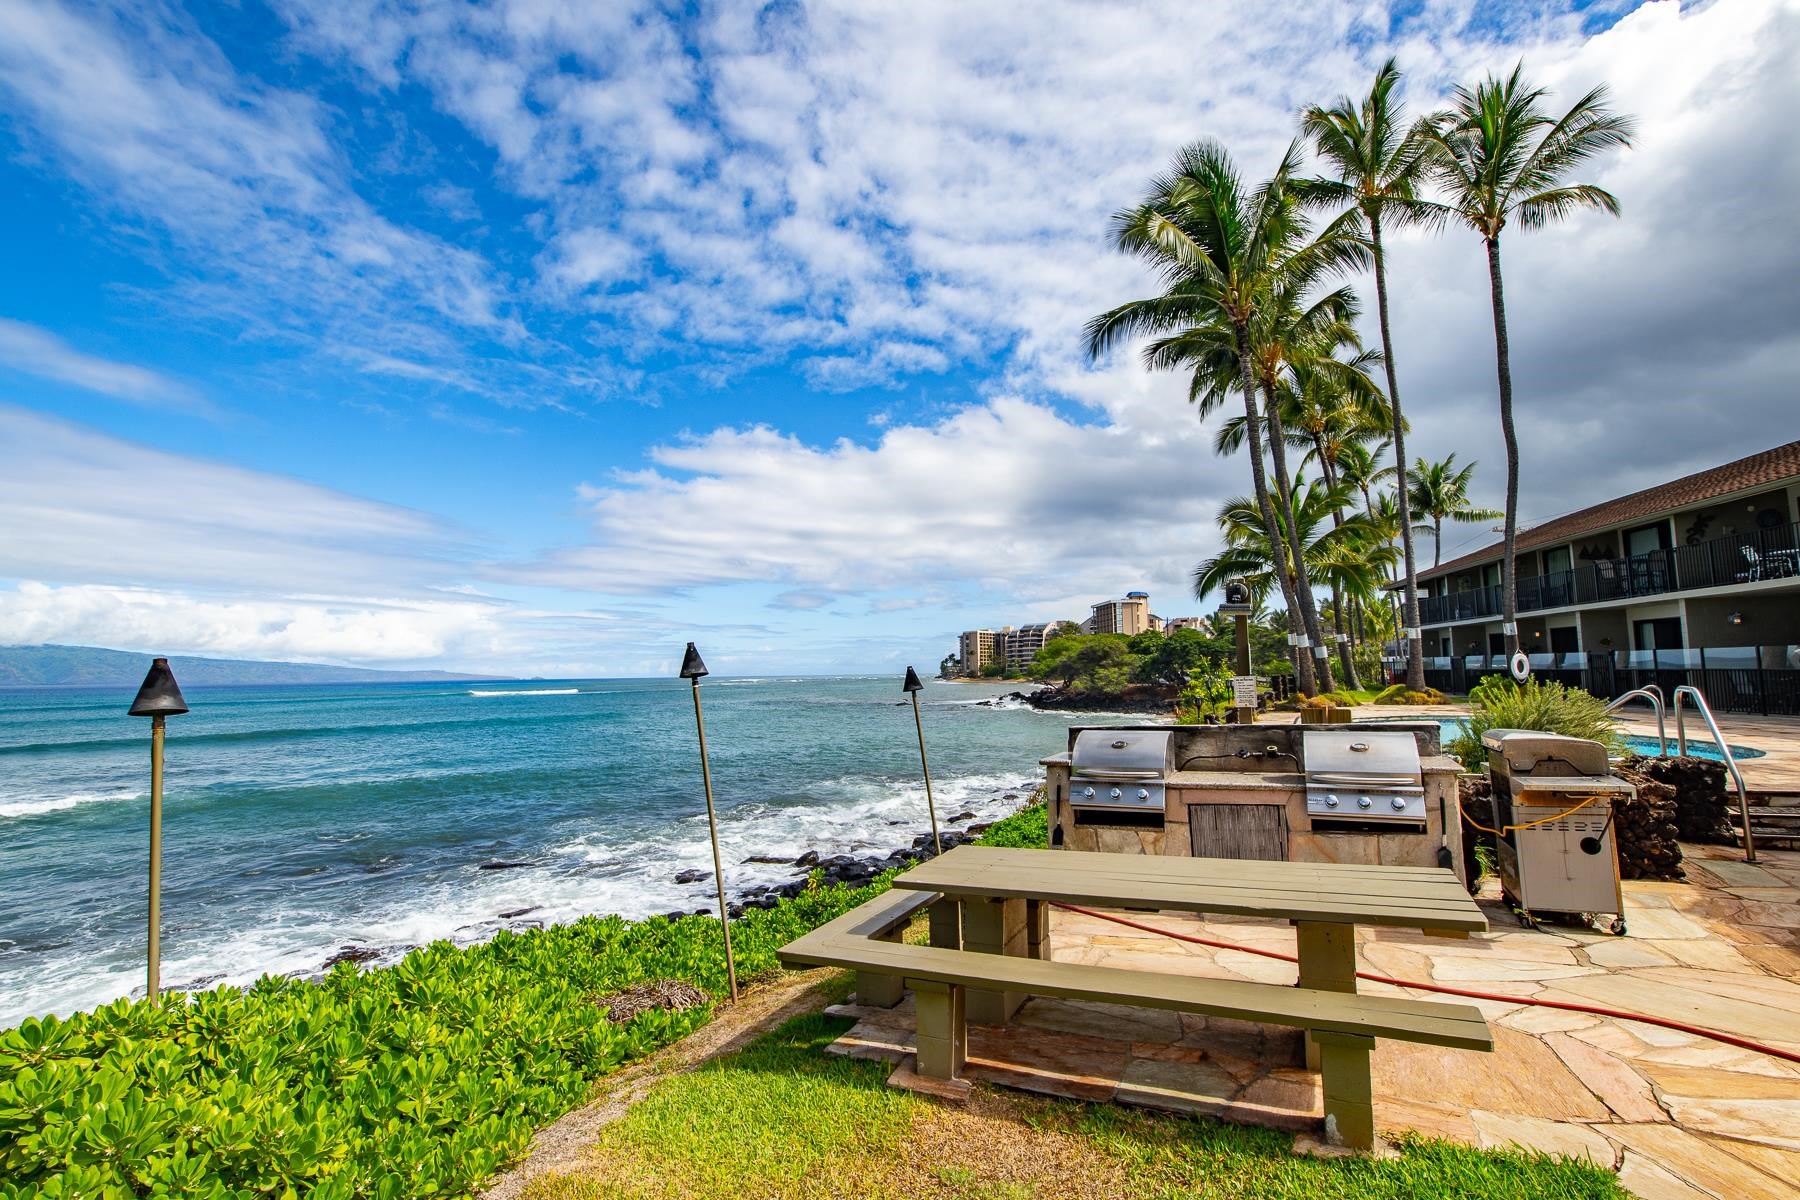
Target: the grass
(782, 1119)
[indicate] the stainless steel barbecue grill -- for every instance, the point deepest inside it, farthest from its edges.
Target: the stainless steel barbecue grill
(1357, 775)
(1120, 770)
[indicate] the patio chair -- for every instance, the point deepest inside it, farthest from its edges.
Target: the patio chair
(1757, 570)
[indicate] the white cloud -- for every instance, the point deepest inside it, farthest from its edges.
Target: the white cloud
(39, 352)
(83, 507)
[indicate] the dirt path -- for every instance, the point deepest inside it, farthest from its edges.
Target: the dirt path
(563, 1144)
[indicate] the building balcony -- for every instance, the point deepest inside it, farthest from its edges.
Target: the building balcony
(1741, 558)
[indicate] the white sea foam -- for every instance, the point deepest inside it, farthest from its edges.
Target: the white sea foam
(35, 807)
(597, 872)
(531, 692)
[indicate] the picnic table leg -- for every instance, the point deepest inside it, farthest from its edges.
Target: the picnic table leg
(994, 927)
(945, 917)
(881, 991)
(942, 1042)
(1349, 1094)
(1037, 929)
(1327, 963)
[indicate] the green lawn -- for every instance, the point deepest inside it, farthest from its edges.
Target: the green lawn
(784, 1119)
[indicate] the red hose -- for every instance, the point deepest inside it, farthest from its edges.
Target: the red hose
(1594, 1009)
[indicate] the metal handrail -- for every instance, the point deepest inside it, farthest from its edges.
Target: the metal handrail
(1705, 712)
(1654, 695)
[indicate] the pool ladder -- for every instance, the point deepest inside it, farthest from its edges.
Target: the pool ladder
(1686, 692)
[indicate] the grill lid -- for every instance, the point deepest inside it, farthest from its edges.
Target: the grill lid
(1361, 758)
(1529, 752)
(1122, 753)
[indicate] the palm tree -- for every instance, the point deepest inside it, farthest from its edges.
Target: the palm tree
(1219, 247)
(1501, 158)
(1440, 493)
(1380, 165)
(1349, 555)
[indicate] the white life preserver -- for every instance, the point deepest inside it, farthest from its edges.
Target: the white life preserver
(1521, 666)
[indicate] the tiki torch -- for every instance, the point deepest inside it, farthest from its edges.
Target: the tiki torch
(913, 687)
(691, 670)
(157, 699)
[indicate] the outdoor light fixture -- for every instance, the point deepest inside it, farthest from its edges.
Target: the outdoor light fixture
(158, 698)
(913, 687)
(1735, 618)
(1243, 685)
(692, 668)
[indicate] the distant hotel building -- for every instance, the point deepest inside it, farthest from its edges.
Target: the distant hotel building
(1023, 643)
(1128, 616)
(1197, 623)
(976, 648)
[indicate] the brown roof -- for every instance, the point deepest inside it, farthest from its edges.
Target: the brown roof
(1758, 470)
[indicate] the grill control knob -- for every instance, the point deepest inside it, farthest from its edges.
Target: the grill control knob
(1088, 792)
(1115, 794)
(1364, 801)
(1143, 794)
(1399, 803)
(1331, 802)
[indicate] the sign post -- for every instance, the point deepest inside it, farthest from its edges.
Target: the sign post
(1243, 685)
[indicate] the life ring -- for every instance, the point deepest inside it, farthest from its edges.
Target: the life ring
(1521, 666)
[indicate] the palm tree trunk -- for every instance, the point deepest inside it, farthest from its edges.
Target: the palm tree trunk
(1415, 658)
(1309, 607)
(1437, 540)
(1509, 595)
(1277, 546)
(1341, 630)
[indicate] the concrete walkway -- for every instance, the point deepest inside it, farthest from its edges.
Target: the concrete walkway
(1680, 1117)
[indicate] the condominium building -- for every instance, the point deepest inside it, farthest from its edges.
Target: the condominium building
(1128, 616)
(1198, 623)
(977, 648)
(1696, 580)
(1023, 644)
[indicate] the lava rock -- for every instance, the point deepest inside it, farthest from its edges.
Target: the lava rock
(498, 865)
(352, 954)
(518, 912)
(963, 816)
(809, 859)
(692, 876)
(776, 860)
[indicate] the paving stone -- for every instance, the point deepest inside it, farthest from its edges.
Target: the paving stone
(1656, 924)
(1037, 1060)
(1750, 985)
(1112, 1021)
(1199, 1087)
(1289, 1089)
(1739, 874)
(1768, 895)
(1777, 960)
(1522, 1076)
(1700, 1162)
(1646, 1180)
(1702, 1052)
(1626, 952)
(1548, 1020)
(1659, 992)
(1782, 1164)
(1497, 1131)
(1431, 1120)
(1495, 970)
(1622, 1089)
(1711, 954)
(1735, 1104)
(907, 1078)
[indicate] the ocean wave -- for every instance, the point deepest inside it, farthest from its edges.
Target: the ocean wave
(531, 692)
(31, 808)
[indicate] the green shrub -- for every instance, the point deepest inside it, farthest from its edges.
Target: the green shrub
(1499, 703)
(419, 1079)
(1027, 829)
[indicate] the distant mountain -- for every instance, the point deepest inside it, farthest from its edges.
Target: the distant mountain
(90, 666)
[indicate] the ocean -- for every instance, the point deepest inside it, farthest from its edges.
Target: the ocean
(301, 820)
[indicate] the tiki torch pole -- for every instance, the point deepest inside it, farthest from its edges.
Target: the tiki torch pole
(913, 687)
(159, 698)
(692, 668)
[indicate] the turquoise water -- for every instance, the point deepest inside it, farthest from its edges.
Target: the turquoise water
(1451, 727)
(300, 820)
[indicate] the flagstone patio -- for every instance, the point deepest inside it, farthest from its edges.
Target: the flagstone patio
(1680, 1117)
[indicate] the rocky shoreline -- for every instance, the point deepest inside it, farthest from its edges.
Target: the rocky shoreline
(849, 870)
(1137, 698)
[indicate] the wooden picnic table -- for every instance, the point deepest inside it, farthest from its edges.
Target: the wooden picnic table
(997, 900)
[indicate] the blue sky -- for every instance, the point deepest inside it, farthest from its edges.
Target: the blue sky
(520, 337)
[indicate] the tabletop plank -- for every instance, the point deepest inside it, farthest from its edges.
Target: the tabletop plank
(1411, 897)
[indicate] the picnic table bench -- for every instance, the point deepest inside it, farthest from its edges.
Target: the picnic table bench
(989, 924)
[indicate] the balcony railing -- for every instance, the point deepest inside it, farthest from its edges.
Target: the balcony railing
(1740, 558)
(1741, 679)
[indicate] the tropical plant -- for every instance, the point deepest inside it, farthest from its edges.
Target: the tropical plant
(1381, 163)
(1499, 703)
(1223, 251)
(1205, 696)
(1440, 492)
(1502, 160)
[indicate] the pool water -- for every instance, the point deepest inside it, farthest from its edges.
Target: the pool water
(1451, 727)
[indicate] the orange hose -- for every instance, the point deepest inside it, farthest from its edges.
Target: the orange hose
(1567, 1006)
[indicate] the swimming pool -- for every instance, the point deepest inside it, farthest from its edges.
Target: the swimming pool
(1450, 727)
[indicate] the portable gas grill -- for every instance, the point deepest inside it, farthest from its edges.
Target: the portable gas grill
(1118, 771)
(1356, 776)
